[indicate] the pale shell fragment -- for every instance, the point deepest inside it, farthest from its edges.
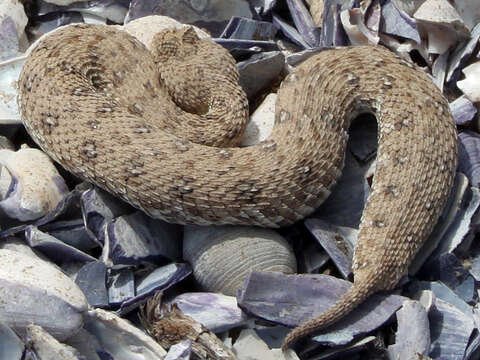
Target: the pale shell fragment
(120, 339)
(11, 347)
(46, 347)
(217, 312)
(145, 28)
(29, 184)
(261, 122)
(470, 85)
(412, 339)
(250, 346)
(63, 2)
(33, 291)
(9, 72)
(223, 256)
(442, 25)
(14, 9)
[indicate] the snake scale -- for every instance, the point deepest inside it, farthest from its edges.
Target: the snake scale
(107, 109)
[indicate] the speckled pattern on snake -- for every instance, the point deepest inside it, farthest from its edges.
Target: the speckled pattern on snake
(159, 130)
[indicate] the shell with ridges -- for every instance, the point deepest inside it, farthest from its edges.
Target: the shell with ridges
(221, 257)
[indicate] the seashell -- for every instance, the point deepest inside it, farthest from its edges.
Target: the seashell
(261, 122)
(91, 279)
(450, 271)
(136, 238)
(290, 32)
(248, 29)
(469, 156)
(159, 279)
(56, 250)
(439, 70)
(72, 232)
(469, 85)
(345, 204)
(217, 312)
(259, 71)
(12, 25)
(11, 347)
(47, 347)
(98, 209)
(413, 333)
(250, 346)
(440, 12)
(408, 6)
(86, 344)
(211, 15)
(396, 22)
(145, 28)
(119, 339)
(63, 2)
(304, 22)
(462, 54)
(122, 287)
(445, 322)
(18, 245)
(427, 292)
(338, 243)
(9, 73)
(33, 291)
(468, 10)
(90, 12)
(332, 31)
(462, 110)
(222, 256)
(30, 185)
(291, 299)
(440, 22)
(180, 351)
(463, 226)
(355, 24)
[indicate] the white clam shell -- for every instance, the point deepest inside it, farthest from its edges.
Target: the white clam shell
(30, 185)
(36, 292)
(222, 256)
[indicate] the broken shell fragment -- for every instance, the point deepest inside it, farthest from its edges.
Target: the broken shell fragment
(120, 339)
(47, 347)
(11, 347)
(216, 312)
(30, 185)
(33, 291)
(222, 257)
(292, 299)
(469, 85)
(413, 334)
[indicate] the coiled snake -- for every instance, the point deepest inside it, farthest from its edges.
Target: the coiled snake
(158, 129)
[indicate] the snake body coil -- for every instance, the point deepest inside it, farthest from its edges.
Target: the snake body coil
(107, 109)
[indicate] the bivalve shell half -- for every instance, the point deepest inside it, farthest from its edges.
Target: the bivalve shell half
(223, 256)
(30, 185)
(36, 292)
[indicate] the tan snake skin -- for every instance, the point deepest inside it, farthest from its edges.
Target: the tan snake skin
(93, 99)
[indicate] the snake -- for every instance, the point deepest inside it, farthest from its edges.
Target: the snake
(160, 128)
